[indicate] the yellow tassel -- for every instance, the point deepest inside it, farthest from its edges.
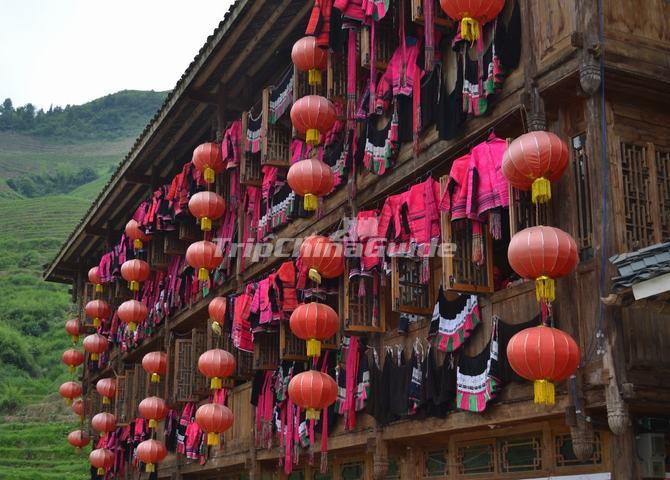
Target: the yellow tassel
(94, 356)
(101, 471)
(203, 274)
(314, 275)
(137, 244)
(314, 76)
(205, 224)
(72, 368)
(312, 414)
(313, 137)
(311, 202)
(541, 190)
(75, 338)
(213, 438)
(98, 288)
(134, 285)
(155, 378)
(106, 400)
(68, 401)
(209, 175)
(96, 322)
(544, 392)
(313, 347)
(216, 383)
(150, 468)
(153, 423)
(132, 326)
(469, 29)
(545, 289)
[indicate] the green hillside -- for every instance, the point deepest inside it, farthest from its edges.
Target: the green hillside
(48, 178)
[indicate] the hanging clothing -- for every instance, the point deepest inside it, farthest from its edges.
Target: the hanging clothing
(281, 96)
(450, 116)
(318, 24)
(453, 321)
(440, 381)
(231, 143)
(381, 146)
(501, 333)
(252, 137)
(398, 386)
(475, 385)
(422, 213)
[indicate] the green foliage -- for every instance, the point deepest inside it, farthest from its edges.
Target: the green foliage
(59, 181)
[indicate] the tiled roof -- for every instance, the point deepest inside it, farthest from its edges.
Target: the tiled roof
(641, 265)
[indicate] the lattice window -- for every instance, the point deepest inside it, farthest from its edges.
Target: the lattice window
(302, 88)
(266, 351)
(183, 370)
(580, 165)
(158, 259)
(522, 212)
(521, 454)
(172, 245)
(565, 456)
(638, 206)
(250, 164)
(386, 41)
(140, 383)
(436, 464)
(87, 294)
(410, 294)
(276, 138)
(352, 471)
(475, 459)
(121, 400)
(199, 346)
(441, 18)
(663, 181)
(292, 348)
(337, 77)
(244, 368)
(189, 230)
(460, 272)
(363, 309)
(393, 471)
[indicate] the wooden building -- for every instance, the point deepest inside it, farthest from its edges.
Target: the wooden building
(611, 421)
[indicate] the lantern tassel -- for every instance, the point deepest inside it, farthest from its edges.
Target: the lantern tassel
(203, 274)
(545, 289)
(72, 368)
(98, 288)
(213, 438)
(469, 29)
(96, 322)
(541, 190)
(75, 338)
(153, 423)
(138, 244)
(544, 392)
(134, 285)
(106, 400)
(150, 468)
(216, 383)
(101, 471)
(314, 275)
(314, 77)
(208, 174)
(312, 137)
(132, 326)
(312, 414)
(311, 202)
(94, 356)
(68, 401)
(206, 224)
(313, 347)
(155, 378)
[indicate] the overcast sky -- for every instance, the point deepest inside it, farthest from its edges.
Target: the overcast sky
(71, 51)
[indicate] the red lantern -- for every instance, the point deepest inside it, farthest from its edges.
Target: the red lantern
(153, 409)
(314, 322)
(155, 363)
(78, 439)
(103, 423)
(97, 310)
(72, 328)
(322, 257)
(102, 459)
(151, 452)
(94, 278)
(544, 355)
(106, 387)
(310, 178)
(135, 271)
(79, 407)
(312, 115)
(206, 206)
(207, 158)
(533, 161)
(204, 256)
(216, 364)
(69, 391)
(217, 312)
(543, 253)
(308, 57)
(472, 14)
(136, 234)
(214, 419)
(132, 312)
(312, 390)
(95, 344)
(72, 358)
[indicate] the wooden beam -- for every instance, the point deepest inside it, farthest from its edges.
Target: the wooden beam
(202, 97)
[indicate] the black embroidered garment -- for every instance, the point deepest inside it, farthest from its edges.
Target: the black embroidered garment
(453, 321)
(475, 385)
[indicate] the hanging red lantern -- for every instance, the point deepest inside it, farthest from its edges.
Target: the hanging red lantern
(217, 312)
(533, 161)
(472, 14)
(544, 355)
(155, 363)
(313, 115)
(153, 409)
(216, 364)
(94, 278)
(151, 452)
(72, 327)
(79, 407)
(106, 387)
(102, 459)
(207, 159)
(322, 257)
(214, 419)
(543, 254)
(136, 234)
(312, 390)
(135, 271)
(95, 344)
(72, 358)
(206, 206)
(310, 178)
(132, 312)
(204, 256)
(103, 423)
(79, 439)
(308, 57)
(97, 310)
(69, 391)
(314, 322)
